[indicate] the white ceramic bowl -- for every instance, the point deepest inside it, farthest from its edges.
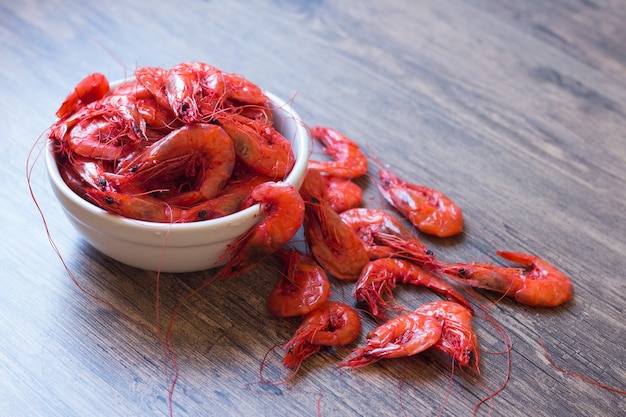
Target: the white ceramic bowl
(177, 247)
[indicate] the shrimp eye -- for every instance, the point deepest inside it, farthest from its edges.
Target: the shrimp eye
(202, 214)
(109, 200)
(102, 182)
(134, 168)
(184, 107)
(428, 252)
(315, 199)
(462, 271)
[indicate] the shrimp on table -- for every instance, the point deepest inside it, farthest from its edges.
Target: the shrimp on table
(200, 146)
(348, 159)
(539, 284)
(331, 324)
(282, 210)
(333, 243)
(428, 209)
(399, 337)
(302, 287)
(442, 325)
(379, 278)
(384, 236)
(458, 337)
(91, 88)
(343, 193)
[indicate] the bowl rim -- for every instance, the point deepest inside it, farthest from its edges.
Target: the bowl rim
(299, 168)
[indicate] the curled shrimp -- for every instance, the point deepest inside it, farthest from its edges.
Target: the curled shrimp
(343, 193)
(259, 145)
(282, 210)
(348, 161)
(458, 337)
(539, 284)
(302, 287)
(200, 146)
(333, 243)
(153, 79)
(428, 209)
(242, 90)
(399, 337)
(442, 325)
(379, 278)
(331, 324)
(91, 88)
(384, 236)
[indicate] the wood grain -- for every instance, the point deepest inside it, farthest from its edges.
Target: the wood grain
(516, 110)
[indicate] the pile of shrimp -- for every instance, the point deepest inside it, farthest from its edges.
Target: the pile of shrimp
(192, 143)
(183, 144)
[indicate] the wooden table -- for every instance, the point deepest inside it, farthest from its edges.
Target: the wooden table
(516, 110)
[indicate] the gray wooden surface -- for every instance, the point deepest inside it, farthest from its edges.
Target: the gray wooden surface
(516, 110)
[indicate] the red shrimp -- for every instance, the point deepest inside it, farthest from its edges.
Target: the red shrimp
(97, 138)
(331, 324)
(443, 325)
(348, 159)
(379, 278)
(399, 337)
(259, 145)
(153, 79)
(333, 243)
(302, 287)
(242, 90)
(228, 200)
(282, 209)
(91, 88)
(458, 338)
(428, 209)
(203, 147)
(384, 236)
(539, 284)
(155, 115)
(139, 207)
(343, 193)
(132, 89)
(183, 89)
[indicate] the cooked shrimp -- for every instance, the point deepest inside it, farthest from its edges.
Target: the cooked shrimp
(348, 161)
(183, 89)
(428, 209)
(343, 193)
(195, 146)
(282, 210)
(458, 338)
(379, 278)
(331, 324)
(399, 337)
(91, 88)
(242, 90)
(333, 243)
(303, 286)
(138, 207)
(259, 145)
(384, 236)
(153, 79)
(540, 284)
